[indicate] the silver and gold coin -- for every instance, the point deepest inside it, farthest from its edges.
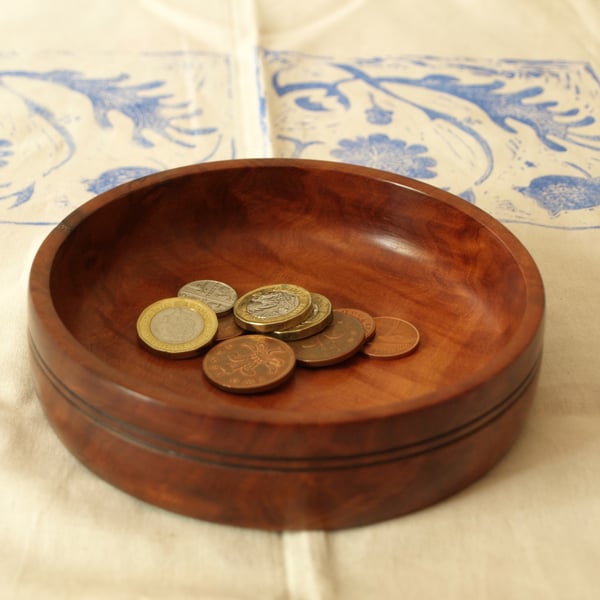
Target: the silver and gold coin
(218, 295)
(320, 318)
(273, 307)
(177, 327)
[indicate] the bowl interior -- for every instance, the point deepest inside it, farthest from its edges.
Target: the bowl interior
(363, 241)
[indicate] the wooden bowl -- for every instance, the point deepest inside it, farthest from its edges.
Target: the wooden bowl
(336, 447)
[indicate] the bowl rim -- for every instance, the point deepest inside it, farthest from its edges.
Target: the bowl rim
(531, 325)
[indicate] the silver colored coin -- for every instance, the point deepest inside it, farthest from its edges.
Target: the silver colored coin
(176, 325)
(272, 304)
(216, 294)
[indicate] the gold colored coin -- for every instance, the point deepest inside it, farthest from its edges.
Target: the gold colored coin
(273, 307)
(320, 318)
(177, 327)
(394, 338)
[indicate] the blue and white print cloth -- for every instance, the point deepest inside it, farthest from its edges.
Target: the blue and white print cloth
(521, 139)
(518, 138)
(69, 132)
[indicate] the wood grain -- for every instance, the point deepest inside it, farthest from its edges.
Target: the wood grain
(336, 447)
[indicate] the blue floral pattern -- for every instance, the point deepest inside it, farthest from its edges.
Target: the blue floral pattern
(114, 177)
(560, 193)
(139, 121)
(381, 152)
(513, 137)
(377, 115)
(5, 152)
(520, 139)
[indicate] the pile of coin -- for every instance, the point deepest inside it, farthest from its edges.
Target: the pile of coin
(254, 342)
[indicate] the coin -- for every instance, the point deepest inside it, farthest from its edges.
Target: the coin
(272, 307)
(393, 338)
(320, 318)
(227, 328)
(249, 364)
(216, 294)
(365, 318)
(338, 342)
(177, 327)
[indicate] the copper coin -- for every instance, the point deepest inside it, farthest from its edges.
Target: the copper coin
(227, 328)
(249, 364)
(341, 340)
(365, 318)
(393, 338)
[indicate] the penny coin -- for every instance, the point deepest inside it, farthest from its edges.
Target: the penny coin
(393, 338)
(216, 294)
(338, 342)
(177, 327)
(249, 364)
(273, 307)
(320, 318)
(227, 328)
(365, 318)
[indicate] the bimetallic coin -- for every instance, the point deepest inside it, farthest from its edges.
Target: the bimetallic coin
(272, 307)
(249, 364)
(365, 318)
(394, 338)
(338, 342)
(227, 328)
(320, 318)
(216, 294)
(177, 327)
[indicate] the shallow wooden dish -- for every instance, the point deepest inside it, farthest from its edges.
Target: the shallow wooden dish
(337, 447)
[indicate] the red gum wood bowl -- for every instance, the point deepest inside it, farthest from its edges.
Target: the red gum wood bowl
(342, 446)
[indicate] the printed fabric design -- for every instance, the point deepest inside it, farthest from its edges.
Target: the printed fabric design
(520, 139)
(135, 112)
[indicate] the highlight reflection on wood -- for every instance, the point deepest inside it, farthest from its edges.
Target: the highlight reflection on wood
(341, 446)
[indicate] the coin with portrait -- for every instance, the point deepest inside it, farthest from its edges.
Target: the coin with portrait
(273, 307)
(320, 318)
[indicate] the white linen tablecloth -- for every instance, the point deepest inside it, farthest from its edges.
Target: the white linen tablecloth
(498, 102)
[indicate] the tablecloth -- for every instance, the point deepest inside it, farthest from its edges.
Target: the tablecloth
(497, 102)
